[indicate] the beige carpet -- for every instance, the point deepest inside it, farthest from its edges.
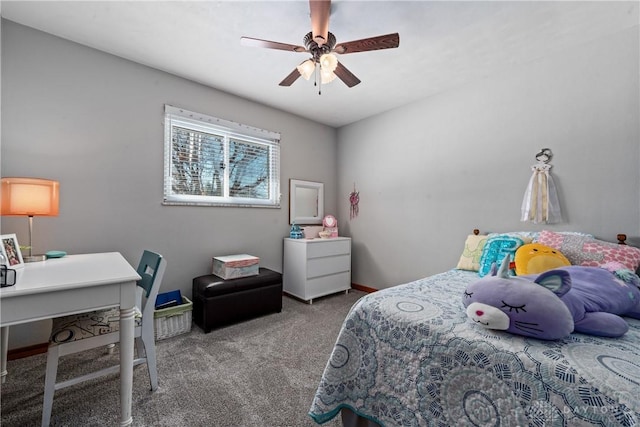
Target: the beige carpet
(261, 372)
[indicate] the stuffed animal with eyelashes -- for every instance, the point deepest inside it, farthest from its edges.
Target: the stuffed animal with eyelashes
(551, 305)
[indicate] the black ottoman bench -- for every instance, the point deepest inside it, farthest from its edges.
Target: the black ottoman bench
(218, 302)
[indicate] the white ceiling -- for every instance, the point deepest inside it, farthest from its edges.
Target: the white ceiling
(443, 44)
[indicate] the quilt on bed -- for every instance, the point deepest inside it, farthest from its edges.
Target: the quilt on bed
(408, 356)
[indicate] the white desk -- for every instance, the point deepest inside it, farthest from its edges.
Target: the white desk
(76, 284)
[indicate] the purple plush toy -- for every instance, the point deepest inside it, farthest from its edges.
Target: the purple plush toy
(555, 303)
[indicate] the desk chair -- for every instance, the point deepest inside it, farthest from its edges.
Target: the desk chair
(84, 331)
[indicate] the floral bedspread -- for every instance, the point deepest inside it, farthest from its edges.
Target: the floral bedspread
(408, 356)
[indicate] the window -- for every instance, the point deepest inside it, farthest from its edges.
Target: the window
(214, 162)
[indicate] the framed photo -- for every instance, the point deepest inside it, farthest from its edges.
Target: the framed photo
(11, 251)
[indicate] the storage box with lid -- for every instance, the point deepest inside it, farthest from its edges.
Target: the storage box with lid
(235, 266)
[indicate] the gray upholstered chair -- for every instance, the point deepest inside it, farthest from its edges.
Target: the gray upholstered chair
(84, 331)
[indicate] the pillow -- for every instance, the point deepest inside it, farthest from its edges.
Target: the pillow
(532, 236)
(565, 233)
(470, 258)
(586, 251)
(496, 249)
(534, 258)
(527, 236)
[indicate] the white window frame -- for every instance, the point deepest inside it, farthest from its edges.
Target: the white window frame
(229, 131)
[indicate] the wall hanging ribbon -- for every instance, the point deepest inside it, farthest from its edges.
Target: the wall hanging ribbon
(540, 204)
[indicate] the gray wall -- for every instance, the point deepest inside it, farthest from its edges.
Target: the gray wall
(431, 172)
(94, 122)
(428, 173)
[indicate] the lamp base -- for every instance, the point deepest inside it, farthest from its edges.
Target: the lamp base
(34, 258)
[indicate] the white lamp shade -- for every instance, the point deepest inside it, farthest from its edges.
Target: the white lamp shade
(329, 62)
(30, 196)
(306, 69)
(327, 76)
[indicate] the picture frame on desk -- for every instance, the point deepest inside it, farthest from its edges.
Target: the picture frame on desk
(11, 251)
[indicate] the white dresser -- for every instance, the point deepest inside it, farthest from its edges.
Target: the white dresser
(316, 267)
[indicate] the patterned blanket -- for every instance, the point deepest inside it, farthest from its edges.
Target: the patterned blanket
(408, 356)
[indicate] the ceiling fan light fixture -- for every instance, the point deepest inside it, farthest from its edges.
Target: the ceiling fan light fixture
(306, 69)
(329, 62)
(320, 43)
(327, 76)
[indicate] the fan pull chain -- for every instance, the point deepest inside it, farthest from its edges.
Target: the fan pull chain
(315, 76)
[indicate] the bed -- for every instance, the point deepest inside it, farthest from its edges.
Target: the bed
(408, 356)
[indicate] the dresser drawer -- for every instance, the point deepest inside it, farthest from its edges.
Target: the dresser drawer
(326, 285)
(328, 265)
(328, 248)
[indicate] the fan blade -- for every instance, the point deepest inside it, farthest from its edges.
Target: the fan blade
(372, 43)
(320, 11)
(345, 75)
(251, 42)
(288, 81)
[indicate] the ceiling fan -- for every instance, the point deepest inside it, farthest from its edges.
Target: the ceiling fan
(321, 44)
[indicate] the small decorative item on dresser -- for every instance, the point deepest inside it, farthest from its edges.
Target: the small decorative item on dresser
(331, 225)
(296, 232)
(324, 234)
(329, 221)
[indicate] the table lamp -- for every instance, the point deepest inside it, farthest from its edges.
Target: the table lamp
(30, 197)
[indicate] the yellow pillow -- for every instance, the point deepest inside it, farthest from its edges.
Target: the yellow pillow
(534, 258)
(470, 258)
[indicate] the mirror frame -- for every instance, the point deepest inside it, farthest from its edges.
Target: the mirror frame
(304, 220)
